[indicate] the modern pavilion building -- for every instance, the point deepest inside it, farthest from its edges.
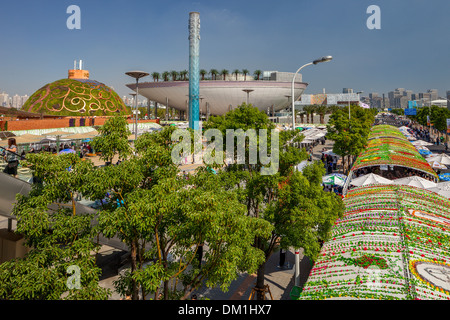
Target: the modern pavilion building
(219, 96)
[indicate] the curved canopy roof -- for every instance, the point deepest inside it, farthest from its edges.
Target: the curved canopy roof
(220, 94)
(392, 243)
(388, 146)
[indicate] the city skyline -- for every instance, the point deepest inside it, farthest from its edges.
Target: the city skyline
(409, 50)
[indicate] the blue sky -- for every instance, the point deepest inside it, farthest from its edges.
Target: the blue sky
(411, 50)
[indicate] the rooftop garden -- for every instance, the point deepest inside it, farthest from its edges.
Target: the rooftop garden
(70, 97)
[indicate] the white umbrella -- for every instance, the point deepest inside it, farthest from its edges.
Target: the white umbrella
(435, 164)
(416, 181)
(441, 158)
(331, 153)
(445, 185)
(334, 179)
(301, 165)
(421, 143)
(445, 193)
(370, 178)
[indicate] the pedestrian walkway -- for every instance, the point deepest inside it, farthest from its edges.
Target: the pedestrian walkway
(280, 281)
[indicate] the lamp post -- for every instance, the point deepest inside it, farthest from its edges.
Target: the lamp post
(323, 59)
(134, 97)
(137, 75)
(248, 93)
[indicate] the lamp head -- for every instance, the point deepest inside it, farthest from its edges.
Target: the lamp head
(323, 59)
(136, 74)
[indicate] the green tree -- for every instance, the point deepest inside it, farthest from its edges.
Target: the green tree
(350, 136)
(165, 75)
(309, 110)
(165, 219)
(214, 74)
(183, 75)
(203, 73)
(439, 117)
(224, 73)
(304, 213)
(113, 139)
(264, 195)
(321, 110)
(245, 72)
(236, 73)
(57, 235)
(155, 76)
(257, 74)
(397, 111)
(174, 74)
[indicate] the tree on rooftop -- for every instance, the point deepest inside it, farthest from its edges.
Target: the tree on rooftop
(236, 73)
(214, 74)
(245, 72)
(224, 73)
(155, 76)
(203, 73)
(184, 74)
(174, 74)
(165, 75)
(257, 74)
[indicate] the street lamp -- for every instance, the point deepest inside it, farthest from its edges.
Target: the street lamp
(134, 97)
(323, 59)
(248, 93)
(137, 75)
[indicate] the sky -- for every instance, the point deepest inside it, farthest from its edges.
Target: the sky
(411, 50)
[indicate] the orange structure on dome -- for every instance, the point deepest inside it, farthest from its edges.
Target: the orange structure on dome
(78, 73)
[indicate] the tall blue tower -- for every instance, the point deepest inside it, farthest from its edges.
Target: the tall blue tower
(194, 71)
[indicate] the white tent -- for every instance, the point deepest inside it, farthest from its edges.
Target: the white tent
(370, 178)
(415, 181)
(301, 165)
(435, 164)
(445, 185)
(421, 143)
(441, 158)
(331, 153)
(442, 192)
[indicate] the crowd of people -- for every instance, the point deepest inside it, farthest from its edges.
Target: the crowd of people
(395, 172)
(329, 161)
(12, 155)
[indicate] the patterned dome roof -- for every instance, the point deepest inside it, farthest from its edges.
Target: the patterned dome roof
(75, 97)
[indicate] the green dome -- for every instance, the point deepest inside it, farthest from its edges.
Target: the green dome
(75, 97)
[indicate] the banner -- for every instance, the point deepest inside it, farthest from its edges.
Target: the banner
(428, 120)
(410, 112)
(448, 125)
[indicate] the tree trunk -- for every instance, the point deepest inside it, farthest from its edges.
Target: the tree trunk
(134, 287)
(166, 290)
(260, 294)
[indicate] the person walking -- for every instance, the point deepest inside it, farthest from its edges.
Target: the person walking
(11, 158)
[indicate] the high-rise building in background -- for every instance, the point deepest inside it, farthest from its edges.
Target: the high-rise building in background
(4, 99)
